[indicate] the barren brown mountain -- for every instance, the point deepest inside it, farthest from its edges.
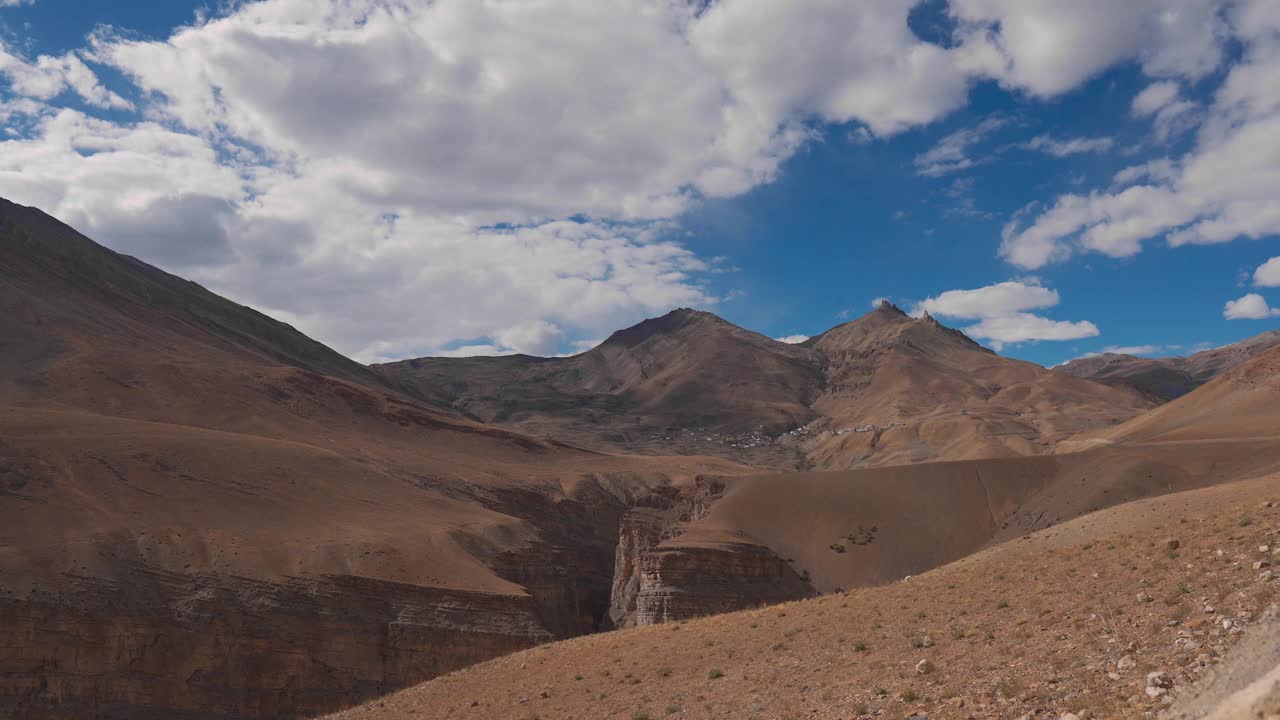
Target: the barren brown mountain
(205, 514)
(884, 389)
(1097, 612)
(1167, 378)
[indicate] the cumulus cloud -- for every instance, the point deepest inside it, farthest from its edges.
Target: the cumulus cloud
(48, 76)
(1218, 192)
(395, 177)
(407, 168)
(998, 299)
(1002, 313)
(1048, 47)
(1018, 328)
(792, 339)
(1249, 307)
(1268, 273)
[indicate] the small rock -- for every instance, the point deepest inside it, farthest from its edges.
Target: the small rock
(1126, 663)
(1155, 692)
(475, 703)
(1069, 716)
(1144, 597)
(1159, 679)
(926, 641)
(1264, 576)
(1264, 548)
(1261, 564)
(544, 694)
(1114, 676)
(924, 667)
(1208, 610)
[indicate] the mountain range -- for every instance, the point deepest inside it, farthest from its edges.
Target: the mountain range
(206, 514)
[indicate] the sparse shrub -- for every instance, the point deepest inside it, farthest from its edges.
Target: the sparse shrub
(1003, 604)
(715, 675)
(917, 642)
(673, 709)
(837, 547)
(957, 632)
(577, 677)
(909, 696)
(860, 646)
(1246, 521)
(641, 716)
(778, 646)
(664, 672)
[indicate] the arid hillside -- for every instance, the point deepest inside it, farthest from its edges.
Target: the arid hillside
(1168, 378)
(1109, 614)
(885, 389)
(205, 514)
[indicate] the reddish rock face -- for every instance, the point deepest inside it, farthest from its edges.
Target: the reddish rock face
(659, 576)
(172, 646)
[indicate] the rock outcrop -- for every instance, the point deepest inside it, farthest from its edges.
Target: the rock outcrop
(166, 645)
(660, 575)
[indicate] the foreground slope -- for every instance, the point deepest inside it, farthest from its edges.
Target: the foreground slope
(885, 389)
(1168, 378)
(205, 514)
(1069, 619)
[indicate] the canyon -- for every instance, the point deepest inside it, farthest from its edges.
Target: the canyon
(206, 514)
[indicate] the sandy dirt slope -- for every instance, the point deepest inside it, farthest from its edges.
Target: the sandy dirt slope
(1068, 619)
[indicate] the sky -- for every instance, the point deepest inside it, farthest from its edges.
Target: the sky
(401, 178)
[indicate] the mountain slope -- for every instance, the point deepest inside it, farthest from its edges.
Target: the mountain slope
(205, 514)
(1066, 620)
(1169, 377)
(686, 371)
(882, 389)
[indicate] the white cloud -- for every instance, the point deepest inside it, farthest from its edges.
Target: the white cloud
(1001, 311)
(408, 166)
(1155, 96)
(1048, 47)
(49, 76)
(1160, 170)
(1162, 101)
(1268, 273)
(1016, 328)
(993, 300)
(792, 339)
(1219, 191)
(1249, 307)
(367, 150)
(1063, 147)
(951, 153)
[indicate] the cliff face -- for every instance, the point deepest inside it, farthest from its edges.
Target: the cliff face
(662, 576)
(173, 646)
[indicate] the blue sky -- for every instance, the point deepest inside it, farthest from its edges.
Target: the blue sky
(403, 179)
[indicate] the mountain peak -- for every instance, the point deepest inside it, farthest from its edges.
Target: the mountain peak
(887, 307)
(667, 324)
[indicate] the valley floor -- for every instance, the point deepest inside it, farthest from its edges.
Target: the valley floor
(1068, 619)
